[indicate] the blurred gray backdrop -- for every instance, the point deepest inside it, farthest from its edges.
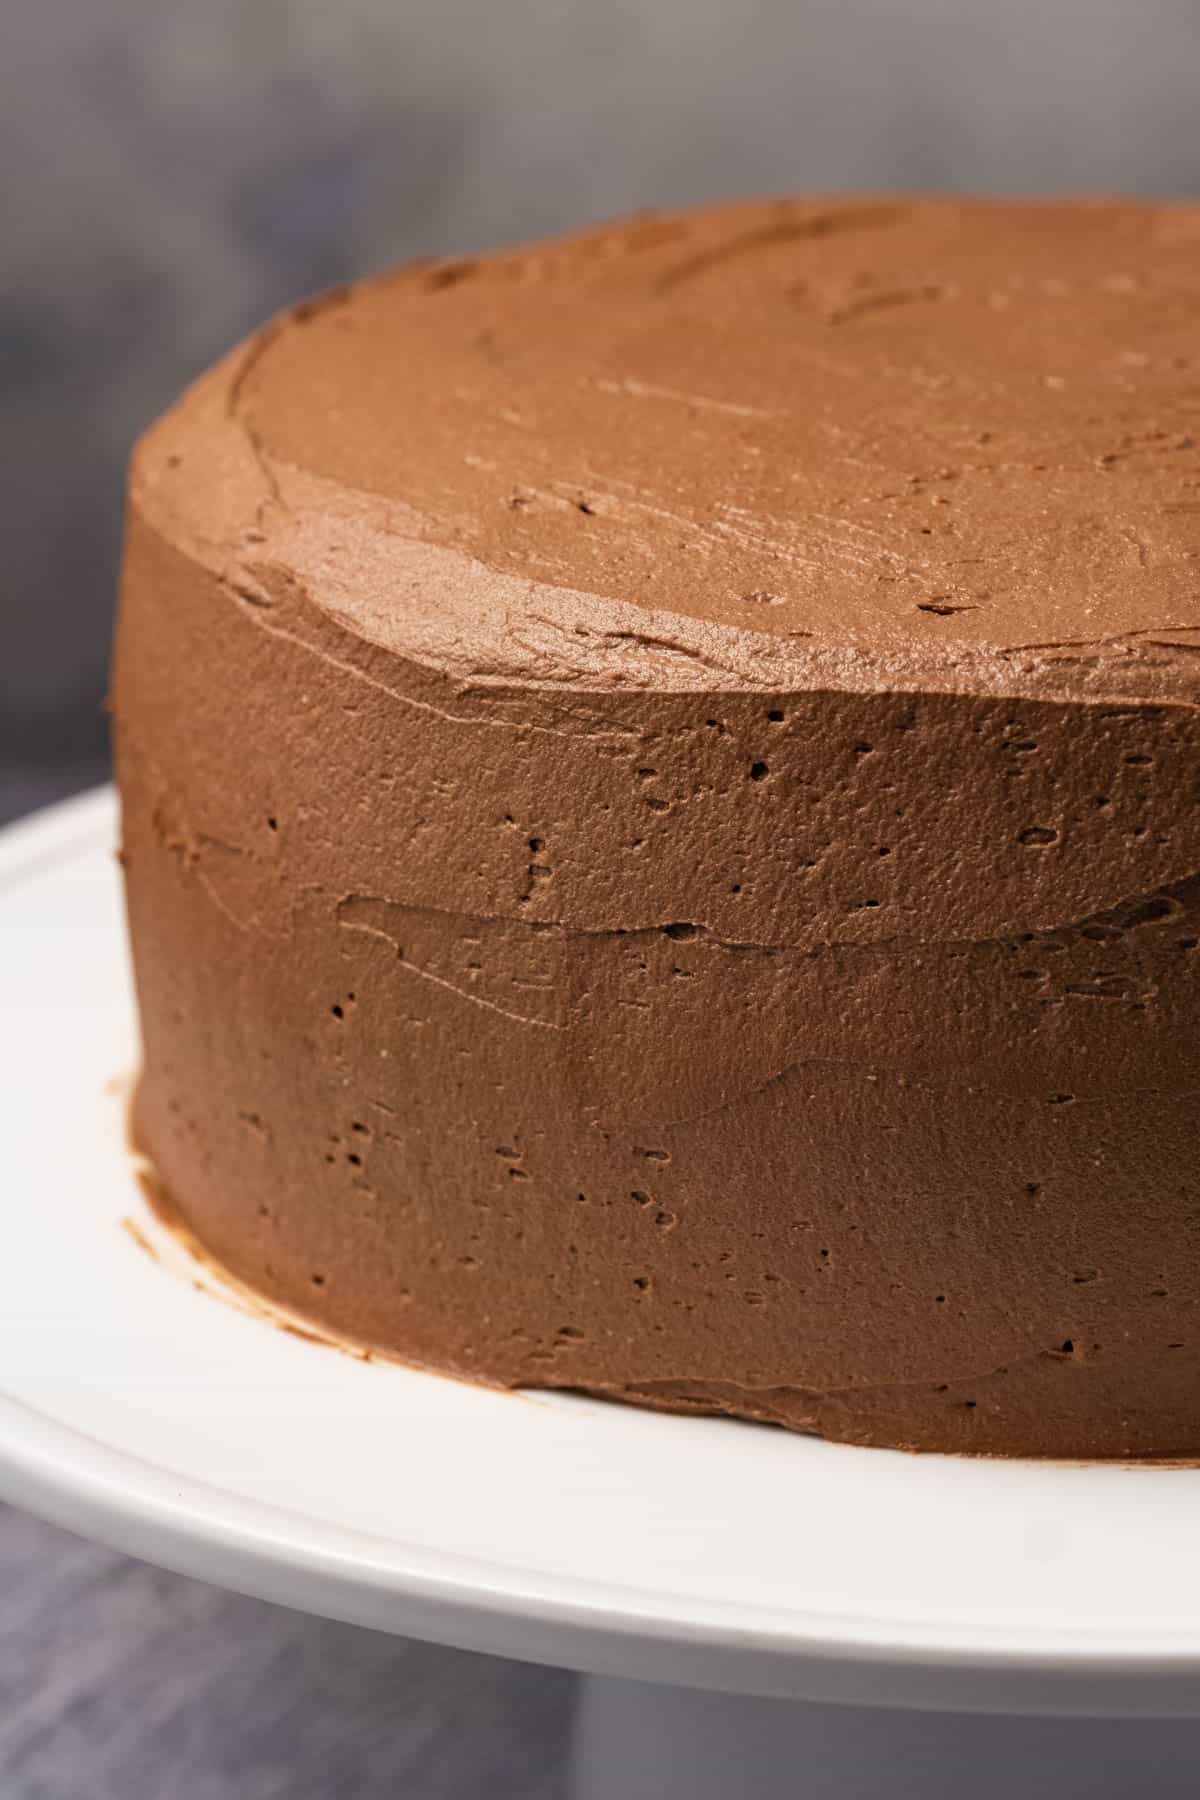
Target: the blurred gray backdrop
(170, 172)
(173, 170)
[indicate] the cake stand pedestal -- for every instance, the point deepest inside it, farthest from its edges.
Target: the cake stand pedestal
(819, 1620)
(635, 1742)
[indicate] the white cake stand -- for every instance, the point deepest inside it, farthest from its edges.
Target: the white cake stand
(761, 1577)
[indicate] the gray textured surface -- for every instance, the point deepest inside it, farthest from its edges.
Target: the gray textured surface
(122, 1682)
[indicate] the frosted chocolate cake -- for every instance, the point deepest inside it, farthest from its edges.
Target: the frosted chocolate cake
(659, 778)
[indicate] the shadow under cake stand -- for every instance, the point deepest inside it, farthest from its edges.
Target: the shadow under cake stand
(757, 1613)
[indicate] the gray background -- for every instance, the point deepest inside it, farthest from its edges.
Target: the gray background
(170, 173)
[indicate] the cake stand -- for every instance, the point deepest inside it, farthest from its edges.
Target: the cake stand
(819, 1620)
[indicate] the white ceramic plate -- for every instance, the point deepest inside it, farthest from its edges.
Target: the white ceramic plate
(140, 1410)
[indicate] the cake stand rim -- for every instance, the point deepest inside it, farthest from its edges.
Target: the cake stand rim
(233, 1542)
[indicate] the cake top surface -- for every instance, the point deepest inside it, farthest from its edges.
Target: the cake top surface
(952, 443)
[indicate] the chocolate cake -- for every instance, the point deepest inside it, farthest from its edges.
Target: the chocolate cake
(660, 817)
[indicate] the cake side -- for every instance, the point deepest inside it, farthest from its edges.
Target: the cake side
(561, 988)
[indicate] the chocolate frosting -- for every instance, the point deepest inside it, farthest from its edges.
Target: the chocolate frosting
(659, 780)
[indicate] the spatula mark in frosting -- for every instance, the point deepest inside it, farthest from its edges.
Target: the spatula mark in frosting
(791, 228)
